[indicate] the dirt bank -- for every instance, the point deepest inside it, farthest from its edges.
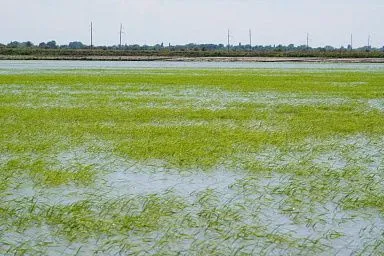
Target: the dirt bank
(193, 59)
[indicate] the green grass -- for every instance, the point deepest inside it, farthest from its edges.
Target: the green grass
(306, 146)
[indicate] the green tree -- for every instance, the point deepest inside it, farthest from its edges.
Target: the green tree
(76, 45)
(51, 44)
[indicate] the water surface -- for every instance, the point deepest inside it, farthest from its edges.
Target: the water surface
(15, 65)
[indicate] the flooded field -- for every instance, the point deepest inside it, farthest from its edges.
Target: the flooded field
(41, 65)
(182, 159)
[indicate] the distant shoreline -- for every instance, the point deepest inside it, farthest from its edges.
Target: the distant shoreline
(195, 59)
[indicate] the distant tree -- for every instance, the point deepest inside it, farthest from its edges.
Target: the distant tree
(51, 44)
(14, 44)
(280, 48)
(145, 47)
(28, 44)
(135, 47)
(291, 47)
(190, 46)
(76, 45)
(42, 45)
(301, 47)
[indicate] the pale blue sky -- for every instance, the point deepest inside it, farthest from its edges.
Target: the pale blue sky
(329, 22)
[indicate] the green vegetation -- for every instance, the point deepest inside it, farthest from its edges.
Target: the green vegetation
(197, 162)
(187, 51)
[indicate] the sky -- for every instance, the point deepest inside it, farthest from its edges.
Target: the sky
(328, 22)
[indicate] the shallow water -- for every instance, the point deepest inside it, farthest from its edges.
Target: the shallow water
(274, 209)
(254, 198)
(122, 177)
(14, 65)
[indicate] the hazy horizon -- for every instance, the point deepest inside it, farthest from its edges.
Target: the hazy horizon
(183, 21)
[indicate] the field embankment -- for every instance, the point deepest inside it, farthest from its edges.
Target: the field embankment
(190, 55)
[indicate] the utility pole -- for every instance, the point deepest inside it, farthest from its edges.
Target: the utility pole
(121, 31)
(91, 35)
(228, 40)
(351, 42)
(369, 41)
(250, 39)
(307, 41)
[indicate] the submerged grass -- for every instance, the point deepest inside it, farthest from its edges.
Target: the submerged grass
(307, 147)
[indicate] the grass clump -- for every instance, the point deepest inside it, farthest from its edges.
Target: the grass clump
(43, 175)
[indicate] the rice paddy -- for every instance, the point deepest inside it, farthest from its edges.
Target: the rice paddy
(189, 161)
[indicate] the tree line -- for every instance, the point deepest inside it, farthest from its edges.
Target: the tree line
(188, 47)
(78, 50)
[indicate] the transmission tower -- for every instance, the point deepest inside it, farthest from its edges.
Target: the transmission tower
(91, 35)
(250, 39)
(121, 32)
(228, 40)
